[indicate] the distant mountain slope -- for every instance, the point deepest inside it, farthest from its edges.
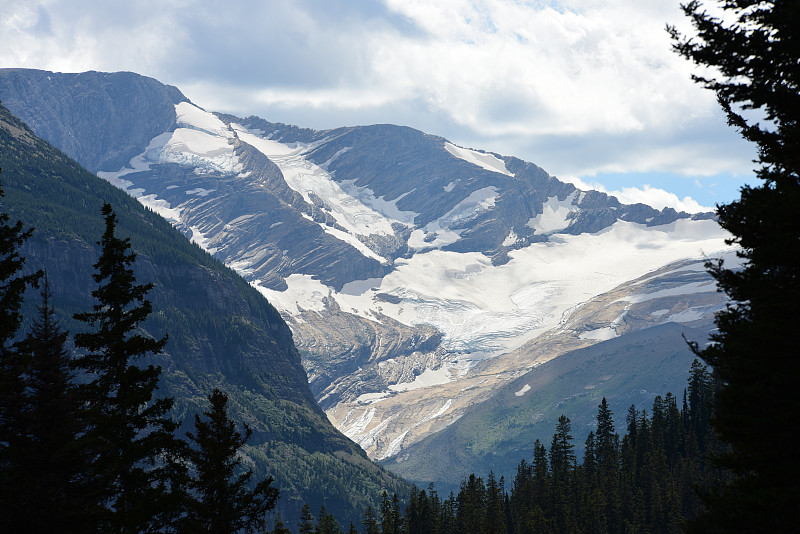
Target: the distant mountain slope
(499, 432)
(412, 272)
(222, 333)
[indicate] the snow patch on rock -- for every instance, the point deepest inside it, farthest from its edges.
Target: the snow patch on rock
(599, 334)
(426, 379)
(682, 289)
(440, 233)
(554, 216)
(161, 207)
(483, 160)
(200, 192)
(510, 239)
(526, 388)
(202, 241)
(387, 208)
(303, 293)
(394, 447)
(139, 163)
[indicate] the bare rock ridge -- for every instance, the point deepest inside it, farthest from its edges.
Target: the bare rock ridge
(99, 119)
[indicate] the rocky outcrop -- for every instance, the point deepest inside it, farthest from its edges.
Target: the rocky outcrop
(346, 356)
(99, 119)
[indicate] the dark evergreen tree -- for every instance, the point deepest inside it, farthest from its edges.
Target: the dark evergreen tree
(326, 523)
(471, 510)
(12, 282)
(397, 516)
(562, 453)
(607, 457)
(222, 501)
(131, 439)
(391, 518)
(279, 527)
(590, 461)
(673, 442)
(50, 489)
(435, 511)
(562, 470)
(495, 505)
(607, 441)
(700, 392)
(306, 524)
(417, 512)
(12, 364)
(448, 515)
(369, 523)
(754, 57)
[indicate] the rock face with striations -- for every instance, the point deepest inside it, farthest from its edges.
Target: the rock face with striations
(99, 119)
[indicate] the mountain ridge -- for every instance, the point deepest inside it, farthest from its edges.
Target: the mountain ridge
(403, 262)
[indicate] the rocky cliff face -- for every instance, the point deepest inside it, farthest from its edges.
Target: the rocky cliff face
(412, 271)
(99, 119)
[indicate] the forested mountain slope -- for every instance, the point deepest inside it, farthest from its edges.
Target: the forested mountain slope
(222, 332)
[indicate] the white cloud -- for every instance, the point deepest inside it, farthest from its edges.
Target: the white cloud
(647, 194)
(580, 87)
(658, 198)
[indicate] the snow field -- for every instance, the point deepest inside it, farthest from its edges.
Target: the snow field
(486, 310)
(485, 161)
(191, 116)
(195, 148)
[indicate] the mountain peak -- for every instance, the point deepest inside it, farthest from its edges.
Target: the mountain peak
(401, 261)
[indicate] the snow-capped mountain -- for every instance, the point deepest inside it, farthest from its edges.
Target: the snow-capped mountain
(417, 276)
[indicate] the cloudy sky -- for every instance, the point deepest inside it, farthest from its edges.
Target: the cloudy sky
(587, 89)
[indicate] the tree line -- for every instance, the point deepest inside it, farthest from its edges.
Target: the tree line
(85, 444)
(647, 481)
